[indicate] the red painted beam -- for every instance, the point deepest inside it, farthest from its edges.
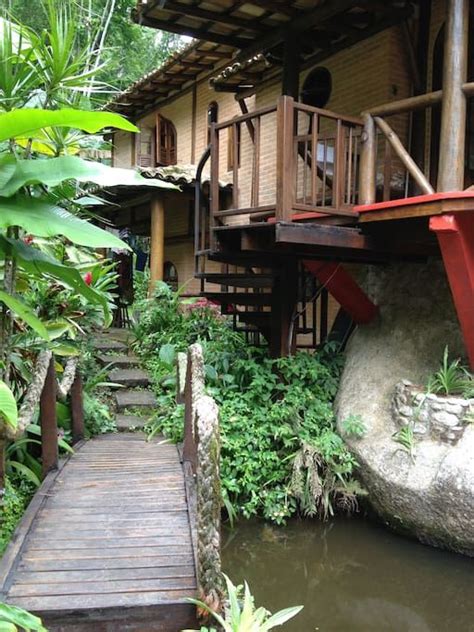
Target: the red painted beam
(345, 290)
(455, 234)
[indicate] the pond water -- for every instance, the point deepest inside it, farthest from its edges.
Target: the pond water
(351, 576)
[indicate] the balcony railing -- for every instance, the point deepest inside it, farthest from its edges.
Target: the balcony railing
(286, 159)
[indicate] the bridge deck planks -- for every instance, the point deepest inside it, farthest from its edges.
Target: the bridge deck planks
(109, 533)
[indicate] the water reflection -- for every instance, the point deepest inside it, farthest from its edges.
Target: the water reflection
(352, 576)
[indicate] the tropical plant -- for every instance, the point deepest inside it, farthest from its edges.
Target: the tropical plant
(271, 411)
(241, 615)
(451, 379)
(406, 438)
(13, 619)
(354, 426)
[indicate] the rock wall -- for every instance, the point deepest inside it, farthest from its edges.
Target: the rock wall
(431, 495)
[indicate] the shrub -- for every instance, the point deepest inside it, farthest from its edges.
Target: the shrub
(272, 411)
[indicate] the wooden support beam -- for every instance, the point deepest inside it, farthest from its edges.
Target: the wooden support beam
(157, 242)
(197, 33)
(48, 420)
(323, 236)
(367, 162)
(285, 193)
(454, 111)
(404, 156)
(284, 301)
(455, 234)
(222, 17)
(290, 81)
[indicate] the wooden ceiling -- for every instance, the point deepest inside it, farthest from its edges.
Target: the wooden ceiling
(255, 26)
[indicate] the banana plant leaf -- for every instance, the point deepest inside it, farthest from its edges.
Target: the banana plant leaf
(28, 121)
(56, 170)
(8, 407)
(44, 219)
(37, 263)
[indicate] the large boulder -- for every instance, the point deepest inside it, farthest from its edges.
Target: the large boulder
(429, 494)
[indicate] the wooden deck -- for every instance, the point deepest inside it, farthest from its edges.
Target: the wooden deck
(107, 541)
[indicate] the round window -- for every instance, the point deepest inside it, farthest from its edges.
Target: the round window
(317, 88)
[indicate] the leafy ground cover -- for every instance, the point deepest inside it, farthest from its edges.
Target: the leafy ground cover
(281, 453)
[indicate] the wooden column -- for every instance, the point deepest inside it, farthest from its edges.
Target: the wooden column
(290, 82)
(157, 244)
(49, 425)
(284, 303)
(453, 119)
(286, 159)
(367, 162)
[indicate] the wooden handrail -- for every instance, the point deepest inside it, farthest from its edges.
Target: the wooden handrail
(350, 120)
(246, 117)
(404, 156)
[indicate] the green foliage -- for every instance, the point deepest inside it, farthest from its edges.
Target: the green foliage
(451, 378)
(18, 492)
(8, 407)
(13, 619)
(97, 416)
(241, 615)
(354, 426)
(406, 438)
(270, 410)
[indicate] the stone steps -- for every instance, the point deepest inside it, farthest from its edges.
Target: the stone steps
(109, 344)
(127, 423)
(129, 377)
(118, 360)
(134, 399)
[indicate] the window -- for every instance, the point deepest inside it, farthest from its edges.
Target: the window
(166, 142)
(317, 88)
(170, 275)
(212, 116)
(233, 146)
(145, 147)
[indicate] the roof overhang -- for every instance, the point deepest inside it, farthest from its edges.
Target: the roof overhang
(255, 26)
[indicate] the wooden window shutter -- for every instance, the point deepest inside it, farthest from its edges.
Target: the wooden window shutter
(166, 142)
(145, 148)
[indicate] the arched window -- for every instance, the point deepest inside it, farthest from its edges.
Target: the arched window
(212, 117)
(317, 88)
(170, 275)
(166, 142)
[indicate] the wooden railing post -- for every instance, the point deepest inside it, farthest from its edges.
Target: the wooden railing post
(49, 426)
(286, 159)
(367, 184)
(214, 186)
(194, 389)
(77, 409)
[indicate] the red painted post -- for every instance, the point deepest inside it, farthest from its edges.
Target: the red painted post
(345, 290)
(455, 234)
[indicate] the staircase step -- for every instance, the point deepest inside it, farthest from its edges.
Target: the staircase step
(134, 399)
(108, 344)
(262, 321)
(239, 279)
(118, 360)
(129, 377)
(125, 423)
(239, 298)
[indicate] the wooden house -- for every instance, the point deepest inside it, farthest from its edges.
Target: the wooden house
(326, 134)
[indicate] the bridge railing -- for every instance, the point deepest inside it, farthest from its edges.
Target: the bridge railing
(201, 461)
(44, 390)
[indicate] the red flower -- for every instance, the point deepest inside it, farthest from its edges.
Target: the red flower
(28, 239)
(88, 278)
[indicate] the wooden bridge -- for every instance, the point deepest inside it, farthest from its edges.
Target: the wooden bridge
(110, 540)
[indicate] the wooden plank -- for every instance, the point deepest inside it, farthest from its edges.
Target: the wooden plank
(174, 558)
(119, 574)
(319, 235)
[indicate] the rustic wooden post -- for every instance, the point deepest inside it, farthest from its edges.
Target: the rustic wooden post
(367, 182)
(284, 301)
(454, 109)
(291, 65)
(157, 241)
(49, 426)
(77, 409)
(286, 160)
